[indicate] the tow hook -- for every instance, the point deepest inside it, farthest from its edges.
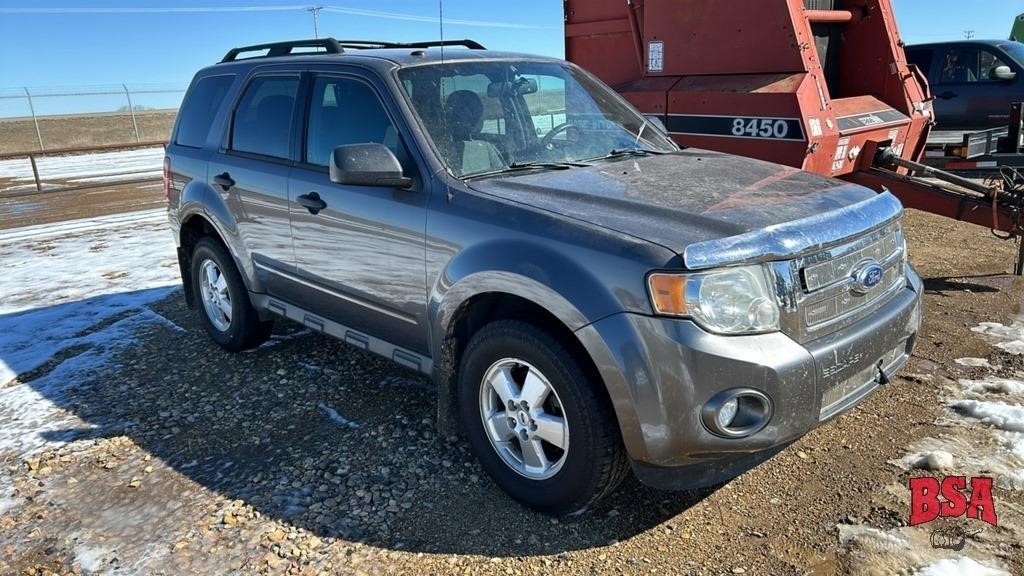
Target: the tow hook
(882, 378)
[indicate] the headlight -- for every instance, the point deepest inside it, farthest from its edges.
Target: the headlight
(728, 301)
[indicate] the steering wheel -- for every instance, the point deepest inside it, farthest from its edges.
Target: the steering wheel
(550, 136)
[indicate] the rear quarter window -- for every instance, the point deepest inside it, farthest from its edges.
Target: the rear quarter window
(201, 105)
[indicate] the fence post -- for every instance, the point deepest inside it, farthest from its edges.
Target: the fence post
(131, 109)
(32, 110)
(35, 172)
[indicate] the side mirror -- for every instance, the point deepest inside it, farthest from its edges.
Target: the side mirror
(1003, 73)
(367, 165)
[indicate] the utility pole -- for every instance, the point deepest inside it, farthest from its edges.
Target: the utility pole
(315, 11)
(968, 34)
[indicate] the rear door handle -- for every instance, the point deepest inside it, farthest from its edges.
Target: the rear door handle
(947, 95)
(312, 202)
(224, 181)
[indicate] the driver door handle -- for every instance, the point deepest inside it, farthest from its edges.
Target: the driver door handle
(947, 95)
(224, 180)
(312, 202)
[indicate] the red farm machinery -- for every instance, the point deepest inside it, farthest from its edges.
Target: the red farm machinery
(821, 85)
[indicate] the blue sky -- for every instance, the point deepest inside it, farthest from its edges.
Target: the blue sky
(44, 45)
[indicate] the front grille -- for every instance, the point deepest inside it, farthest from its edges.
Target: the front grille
(827, 277)
(820, 293)
(833, 306)
(834, 270)
(829, 283)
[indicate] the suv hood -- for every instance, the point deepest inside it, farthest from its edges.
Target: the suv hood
(679, 199)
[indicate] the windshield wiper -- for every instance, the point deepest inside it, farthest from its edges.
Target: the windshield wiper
(527, 166)
(620, 152)
(546, 164)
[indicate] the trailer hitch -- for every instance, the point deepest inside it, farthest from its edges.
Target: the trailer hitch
(1007, 204)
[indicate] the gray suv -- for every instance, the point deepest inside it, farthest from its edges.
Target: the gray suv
(588, 297)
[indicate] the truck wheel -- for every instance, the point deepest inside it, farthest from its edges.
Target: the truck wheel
(223, 301)
(535, 422)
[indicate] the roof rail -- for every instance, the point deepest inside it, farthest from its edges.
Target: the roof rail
(330, 46)
(370, 44)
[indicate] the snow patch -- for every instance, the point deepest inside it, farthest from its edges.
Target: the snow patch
(91, 559)
(62, 281)
(996, 449)
(34, 410)
(936, 460)
(161, 319)
(89, 258)
(908, 550)
(961, 566)
(278, 339)
(974, 362)
(315, 369)
(74, 293)
(113, 166)
(1007, 417)
(866, 537)
(993, 385)
(1009, 338)
(333, 415)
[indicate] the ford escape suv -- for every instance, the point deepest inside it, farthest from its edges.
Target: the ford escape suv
(589, 298)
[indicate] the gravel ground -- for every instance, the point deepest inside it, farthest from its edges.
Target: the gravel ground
(307, 457)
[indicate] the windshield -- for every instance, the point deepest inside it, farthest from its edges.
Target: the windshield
(488, 117)
(1015, 50)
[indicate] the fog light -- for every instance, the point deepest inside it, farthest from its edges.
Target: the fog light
(737, 413)
(727, 413)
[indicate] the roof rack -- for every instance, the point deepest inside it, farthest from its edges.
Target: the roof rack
(330, 46)
(371, 44)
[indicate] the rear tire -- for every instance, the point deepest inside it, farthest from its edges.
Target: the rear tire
(222, 300)
(548, 439)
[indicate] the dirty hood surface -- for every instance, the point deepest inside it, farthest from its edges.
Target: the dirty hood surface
(678, 199)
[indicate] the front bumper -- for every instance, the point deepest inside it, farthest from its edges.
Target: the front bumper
(660, 372)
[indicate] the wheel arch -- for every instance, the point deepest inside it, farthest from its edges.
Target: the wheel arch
(484, 308)
(194, 227)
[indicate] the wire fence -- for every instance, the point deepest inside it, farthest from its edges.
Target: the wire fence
(38, 119)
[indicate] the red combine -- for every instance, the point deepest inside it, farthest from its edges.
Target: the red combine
(821, 85)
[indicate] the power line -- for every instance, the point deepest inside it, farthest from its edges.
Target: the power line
(272, 8)
(149, 10)
(432, 19)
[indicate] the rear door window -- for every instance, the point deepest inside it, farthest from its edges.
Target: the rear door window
(262, 122)
(202, 104)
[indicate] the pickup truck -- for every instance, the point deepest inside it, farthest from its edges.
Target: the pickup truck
(974, 81)
(589, 298)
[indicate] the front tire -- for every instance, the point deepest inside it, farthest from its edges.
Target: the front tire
(222, 300)
(535, 422)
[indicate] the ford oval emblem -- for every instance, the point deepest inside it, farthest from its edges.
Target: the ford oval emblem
(868, 275)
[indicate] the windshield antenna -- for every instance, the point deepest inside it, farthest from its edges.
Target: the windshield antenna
(440, 23)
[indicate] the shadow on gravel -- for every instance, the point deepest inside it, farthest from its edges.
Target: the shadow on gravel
(327, 438)
(942, 285)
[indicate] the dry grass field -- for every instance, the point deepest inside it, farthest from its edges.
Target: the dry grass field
(82, 130)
